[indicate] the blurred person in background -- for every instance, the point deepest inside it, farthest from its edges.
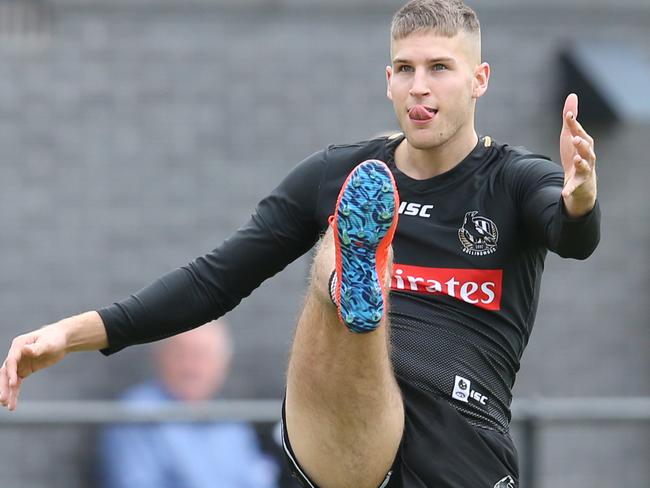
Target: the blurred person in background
(417, 396)
(191, 367)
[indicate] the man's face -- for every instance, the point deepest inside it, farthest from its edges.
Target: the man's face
(433, 83)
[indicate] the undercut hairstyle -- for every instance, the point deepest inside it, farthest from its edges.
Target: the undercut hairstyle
(443, 17)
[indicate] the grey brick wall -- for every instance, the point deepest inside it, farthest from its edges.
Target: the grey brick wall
(134, 139)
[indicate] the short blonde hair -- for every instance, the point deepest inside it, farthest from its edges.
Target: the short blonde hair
(444, 17)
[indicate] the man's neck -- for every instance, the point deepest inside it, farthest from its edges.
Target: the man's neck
(421, 164)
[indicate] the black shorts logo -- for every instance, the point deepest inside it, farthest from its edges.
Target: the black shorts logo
(506, 482)
(463, 391)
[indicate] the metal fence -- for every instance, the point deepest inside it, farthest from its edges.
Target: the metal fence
(529, 415)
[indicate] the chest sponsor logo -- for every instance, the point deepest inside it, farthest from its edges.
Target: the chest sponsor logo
(478, 235)
(480, 287)
(415, 209)
(463, 391)
(506, 482)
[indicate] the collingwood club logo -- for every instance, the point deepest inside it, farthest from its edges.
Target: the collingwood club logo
(506, 482)
(478, 235)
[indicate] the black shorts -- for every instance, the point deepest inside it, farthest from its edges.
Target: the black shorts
(439, 449)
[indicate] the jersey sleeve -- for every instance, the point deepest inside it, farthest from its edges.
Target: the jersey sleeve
(536, 185)
(282, 228)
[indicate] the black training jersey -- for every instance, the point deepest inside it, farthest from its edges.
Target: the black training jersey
(468, 258)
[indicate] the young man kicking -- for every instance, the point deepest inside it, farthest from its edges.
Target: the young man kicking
(417, 395)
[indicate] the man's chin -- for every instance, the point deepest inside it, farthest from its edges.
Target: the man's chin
(424, 142)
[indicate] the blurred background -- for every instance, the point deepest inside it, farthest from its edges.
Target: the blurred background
(136, 135)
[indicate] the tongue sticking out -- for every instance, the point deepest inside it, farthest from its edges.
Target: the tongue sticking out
(419, 112)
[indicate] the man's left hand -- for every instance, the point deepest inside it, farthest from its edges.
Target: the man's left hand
(579, 162)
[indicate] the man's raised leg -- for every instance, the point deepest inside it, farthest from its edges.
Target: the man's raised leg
(344, 411)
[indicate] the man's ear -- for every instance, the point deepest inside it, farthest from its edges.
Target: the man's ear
(481, 80)
(389, 75)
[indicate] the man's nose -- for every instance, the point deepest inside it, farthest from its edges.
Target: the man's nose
(419, 88)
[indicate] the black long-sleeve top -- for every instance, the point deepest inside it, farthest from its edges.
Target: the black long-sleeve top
(469, 253)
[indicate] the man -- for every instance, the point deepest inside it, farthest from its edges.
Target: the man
(418, 397)
(190, 367)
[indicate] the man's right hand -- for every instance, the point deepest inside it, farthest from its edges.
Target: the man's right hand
(45, 347)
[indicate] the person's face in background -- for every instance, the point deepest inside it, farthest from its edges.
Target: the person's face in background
(194, 365)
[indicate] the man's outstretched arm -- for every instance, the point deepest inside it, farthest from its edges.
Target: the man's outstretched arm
(47, 346)
(282, 229)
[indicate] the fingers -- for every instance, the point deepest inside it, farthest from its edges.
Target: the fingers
(4, 386)
(570, 113)
(13, 396)
(10, 374)
(578, 158)
(576, 128)
(584, 150)
(582, 142)
(583, 171)
(570, 105)
(9, 381)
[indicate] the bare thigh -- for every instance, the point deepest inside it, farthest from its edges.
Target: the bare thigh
(344, 411)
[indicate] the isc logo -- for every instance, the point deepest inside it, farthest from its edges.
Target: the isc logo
(463, 391)
(415, 209)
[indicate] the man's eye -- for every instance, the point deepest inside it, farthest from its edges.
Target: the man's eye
(439, 67)
(404, 68)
